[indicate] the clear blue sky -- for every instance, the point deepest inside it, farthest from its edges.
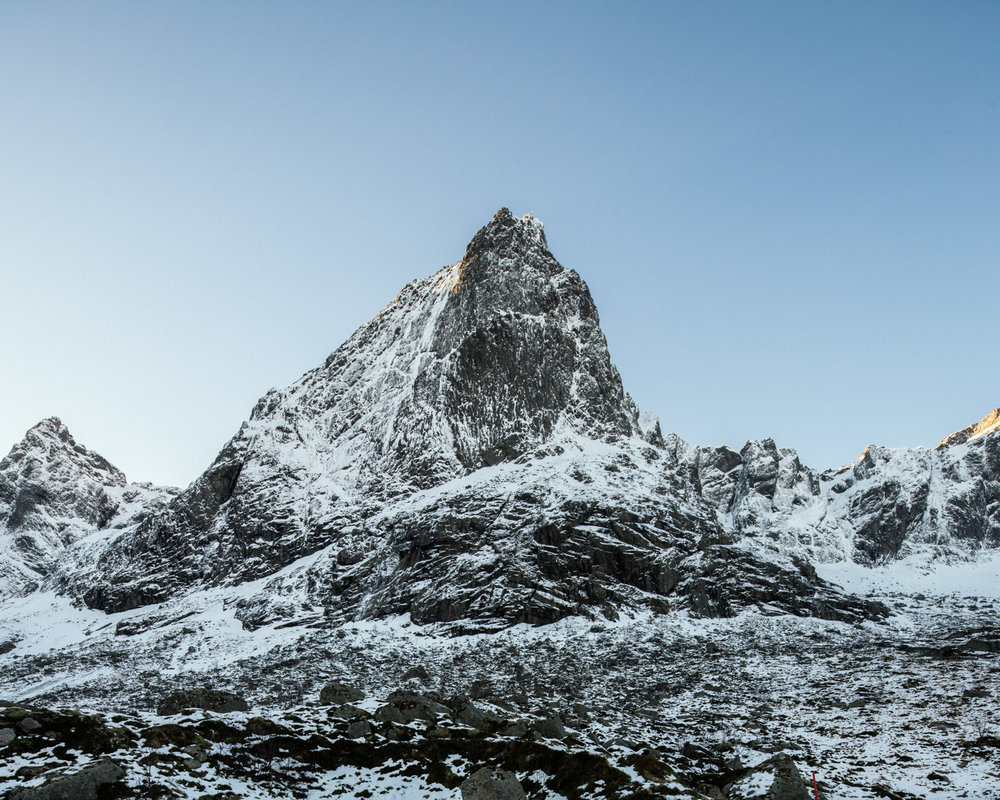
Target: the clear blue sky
(788, 213)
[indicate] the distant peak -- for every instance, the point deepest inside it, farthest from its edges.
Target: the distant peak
(505, 234)
(990, 422)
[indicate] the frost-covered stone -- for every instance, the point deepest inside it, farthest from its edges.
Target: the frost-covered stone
(778, 778)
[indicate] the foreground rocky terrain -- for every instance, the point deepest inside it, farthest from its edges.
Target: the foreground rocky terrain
(463, 520)
(681, 707)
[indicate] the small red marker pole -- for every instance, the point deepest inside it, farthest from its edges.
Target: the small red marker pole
(815, 786)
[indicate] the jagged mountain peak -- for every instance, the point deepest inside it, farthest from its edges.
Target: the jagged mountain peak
(496, 358)
(48, 452)
(506, 235)
(53, 492)
(988, 424)
(476, 364)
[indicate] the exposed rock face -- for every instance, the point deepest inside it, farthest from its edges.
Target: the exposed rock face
(53, 492)
(891, 503)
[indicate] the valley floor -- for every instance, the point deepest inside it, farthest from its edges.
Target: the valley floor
(904, 709)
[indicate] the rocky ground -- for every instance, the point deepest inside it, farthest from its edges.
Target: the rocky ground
(649, 706)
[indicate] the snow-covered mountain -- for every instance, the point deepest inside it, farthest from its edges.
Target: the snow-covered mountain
(54, 492)
(892, 503)
(468, 461)
(469, 456)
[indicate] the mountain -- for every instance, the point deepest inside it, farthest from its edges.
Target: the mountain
(53, 492)
(892, 503)
(469, 456)
(456, 547)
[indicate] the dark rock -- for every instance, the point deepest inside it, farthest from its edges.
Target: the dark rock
(360, 729)
(480, 690)
(6, 647)
(347, 711)
(697, 753)
(7, 736)
(550, 727)
(418, 672)
(83, 784)
(490, 783)
(29, 725)
(208, 699)
(404, 707)
(337, 694)
(465, 712)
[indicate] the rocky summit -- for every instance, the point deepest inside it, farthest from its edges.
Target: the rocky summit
(454, 560)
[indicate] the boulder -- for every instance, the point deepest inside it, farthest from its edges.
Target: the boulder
(480, 689)
(551, 727)
(775, 779)
(418, 672)
(405, 707)
(347, 711)
(338, 694)
(208, 699)
(465, 712)
(29, 725)
(490, 783)
(80, 785)
(7, 736)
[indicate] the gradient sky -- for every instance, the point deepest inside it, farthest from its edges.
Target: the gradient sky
(788, 213)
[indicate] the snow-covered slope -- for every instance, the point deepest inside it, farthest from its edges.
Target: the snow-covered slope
(53, 492)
